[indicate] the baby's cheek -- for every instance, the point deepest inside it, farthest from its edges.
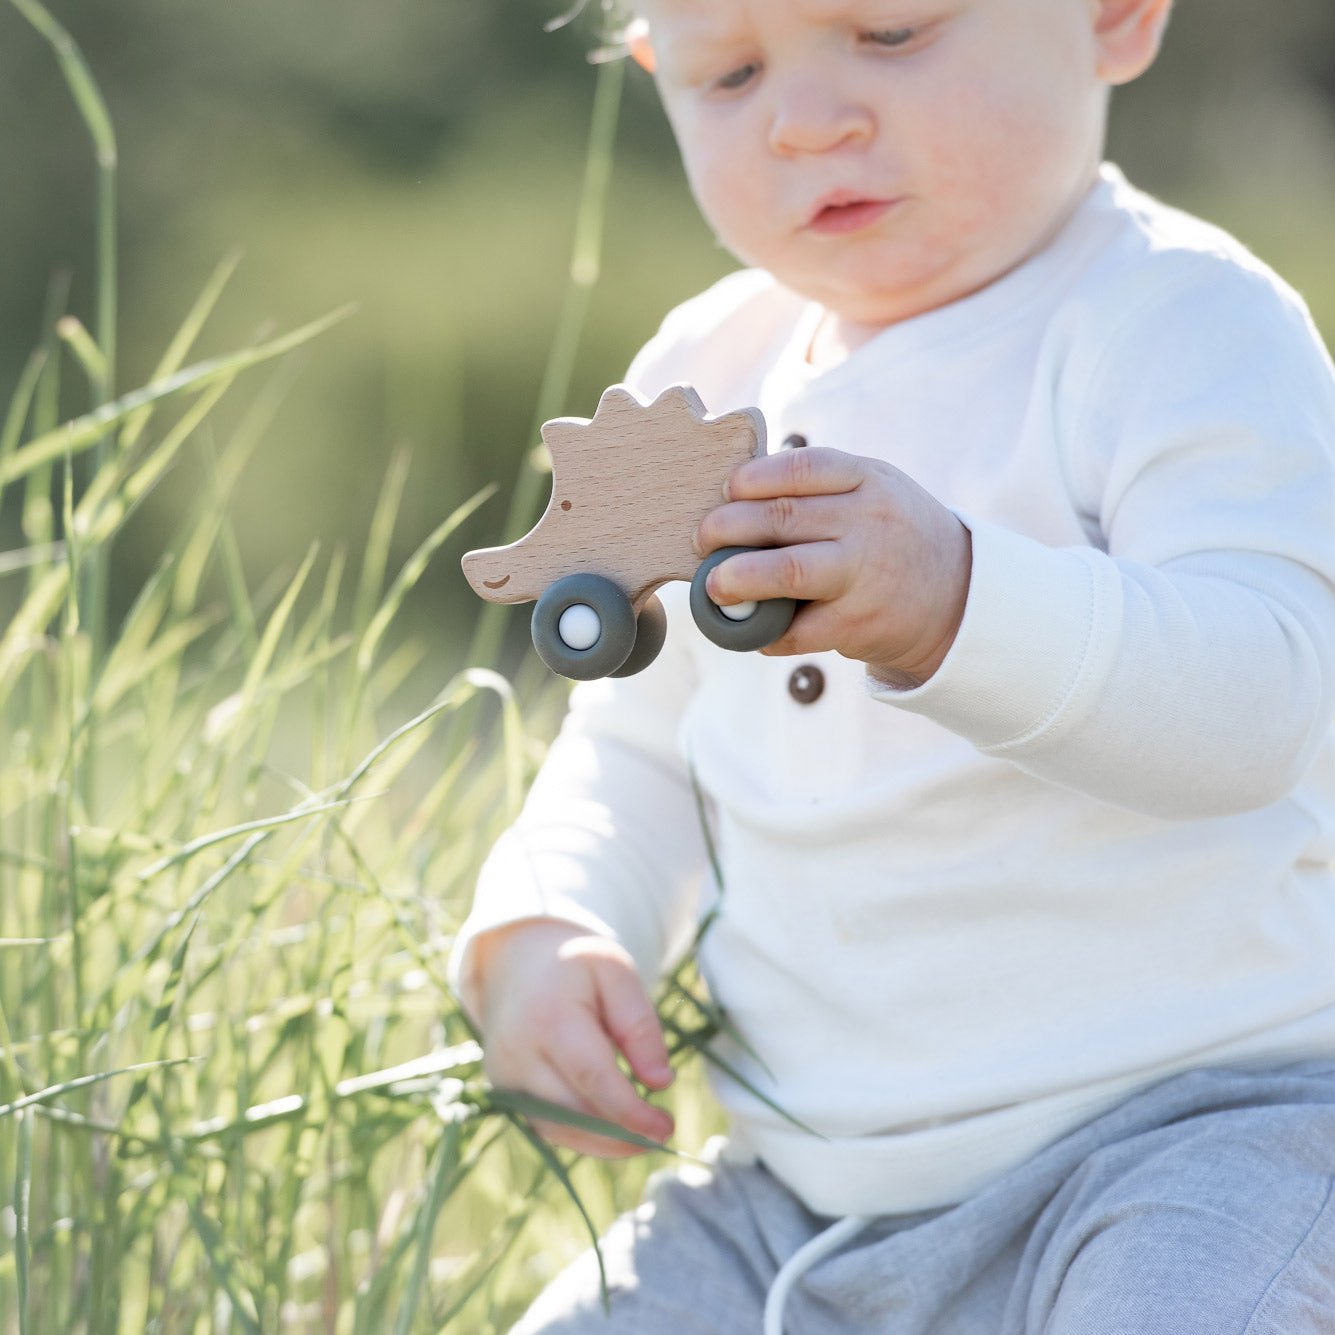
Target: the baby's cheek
(1020, 178)
(1000, 128)
(717, 150)
(721, 185)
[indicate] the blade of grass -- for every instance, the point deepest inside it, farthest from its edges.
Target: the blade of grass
(409, 575)
(79, 341)
(461, 689)
(141, 622)
(553, 1162)
(117, 490)
(376, 557)
(26, 633)
(718, 1020)
(80, 1082)
(21, 402)
(430, 810)
(38, 519)
(98, 352)
(216, 1251)
(22, 1196)
(167, 648)
(487, 1261)
(238, 859)
(166, 1002)
(456, 1058)
(25, 558)
(688, 1039)
(210, 530)
(8, 1055)
(514, 1101)
(265, 823)
(369, 1319)
(93, 111)
(183, 340)
(83, 432)
(273, 631)
(447, 1157)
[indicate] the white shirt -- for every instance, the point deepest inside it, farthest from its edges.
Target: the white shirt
(1094, 848)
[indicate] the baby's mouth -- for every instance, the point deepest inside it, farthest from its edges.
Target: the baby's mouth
(843, 213)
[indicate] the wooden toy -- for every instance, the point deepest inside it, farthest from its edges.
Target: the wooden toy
(629, 488)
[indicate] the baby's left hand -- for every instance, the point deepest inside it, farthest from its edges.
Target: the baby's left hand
(883, 565)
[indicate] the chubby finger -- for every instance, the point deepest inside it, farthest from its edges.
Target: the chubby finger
(630, 1019)
(539, 1077)
(808, 472)
(808, 572)
(584, 1057)
(550, 1085)
(777, 521)
(814, 629)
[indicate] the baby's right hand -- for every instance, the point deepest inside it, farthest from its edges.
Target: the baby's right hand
(556, 1003)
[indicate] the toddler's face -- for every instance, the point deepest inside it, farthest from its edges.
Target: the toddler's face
(882, 157)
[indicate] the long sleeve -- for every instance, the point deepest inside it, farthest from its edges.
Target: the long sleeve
(609, 837)
(1183, 665)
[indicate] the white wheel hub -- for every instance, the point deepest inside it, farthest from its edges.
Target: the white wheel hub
(579, 626)
(738, 611)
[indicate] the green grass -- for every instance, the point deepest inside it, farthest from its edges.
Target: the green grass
(231, 1076)
(226, 892)
(235, 841)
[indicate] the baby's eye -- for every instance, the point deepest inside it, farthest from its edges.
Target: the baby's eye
(890, 36)
(739, 77)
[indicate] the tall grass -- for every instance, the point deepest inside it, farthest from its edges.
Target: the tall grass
(235, 1093)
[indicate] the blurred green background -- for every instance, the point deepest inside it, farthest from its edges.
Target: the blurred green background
(424, 160)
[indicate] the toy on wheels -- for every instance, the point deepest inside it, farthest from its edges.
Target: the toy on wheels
(629, 487)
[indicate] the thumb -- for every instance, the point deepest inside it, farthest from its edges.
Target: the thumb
(629, 1017)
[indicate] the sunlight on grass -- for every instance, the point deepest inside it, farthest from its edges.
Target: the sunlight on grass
(234, 1090)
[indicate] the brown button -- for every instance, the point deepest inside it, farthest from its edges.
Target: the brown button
(794, 442)
(806, 684)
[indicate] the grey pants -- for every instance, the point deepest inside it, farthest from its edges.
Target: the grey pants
(1202, 1206)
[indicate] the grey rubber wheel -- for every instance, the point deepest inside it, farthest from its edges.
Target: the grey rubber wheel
(770, 619)
(650, 632)
(597, 608)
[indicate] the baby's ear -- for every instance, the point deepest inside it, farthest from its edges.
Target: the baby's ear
(1128, 34)
(638, 44)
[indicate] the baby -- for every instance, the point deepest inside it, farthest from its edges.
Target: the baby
(1026, 918)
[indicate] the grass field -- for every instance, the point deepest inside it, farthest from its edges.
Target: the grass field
(236, 836)
(234, 1091)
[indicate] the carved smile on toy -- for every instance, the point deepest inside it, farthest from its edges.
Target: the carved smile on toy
(644, 475)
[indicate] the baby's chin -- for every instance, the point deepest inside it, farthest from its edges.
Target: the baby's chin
(872, 310)
(912, 290)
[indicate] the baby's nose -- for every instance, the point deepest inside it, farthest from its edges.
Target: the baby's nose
(810, 118)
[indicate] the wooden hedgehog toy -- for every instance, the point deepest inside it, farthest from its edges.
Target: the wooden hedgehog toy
(629, 488)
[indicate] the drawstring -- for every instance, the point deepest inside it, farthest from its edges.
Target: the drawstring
(802, 1260)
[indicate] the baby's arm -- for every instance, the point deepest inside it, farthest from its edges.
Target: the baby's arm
(585, 899)
(1185, 665)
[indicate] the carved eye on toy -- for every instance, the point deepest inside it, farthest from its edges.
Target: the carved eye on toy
(629, 488)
